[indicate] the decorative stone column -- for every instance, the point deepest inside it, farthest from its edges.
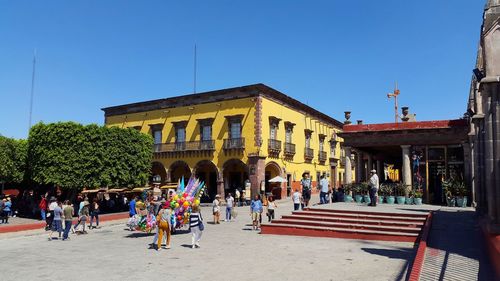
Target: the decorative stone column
(380, 170)
(256, 175)
(406, 169)
(369, 166)
(360, 171)
(348, 167)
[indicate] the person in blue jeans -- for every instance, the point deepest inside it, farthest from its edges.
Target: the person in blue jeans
(68, 218)
(229, 206)
(324, 189)
(6, 210)
(94, 214)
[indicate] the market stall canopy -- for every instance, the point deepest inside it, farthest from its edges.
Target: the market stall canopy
(140, 189)
(11, 192)
(116, 190)
(277, 179)
(93, 191)
(169, 186)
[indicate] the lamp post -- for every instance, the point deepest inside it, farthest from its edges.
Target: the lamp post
(395, 95)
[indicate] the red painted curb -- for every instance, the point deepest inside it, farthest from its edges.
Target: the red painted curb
(41, 225)
(418, 262)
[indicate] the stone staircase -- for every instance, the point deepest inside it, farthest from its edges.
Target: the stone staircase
(350, 224)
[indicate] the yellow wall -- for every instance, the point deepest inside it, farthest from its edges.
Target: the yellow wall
(220, 127)
(302, 122)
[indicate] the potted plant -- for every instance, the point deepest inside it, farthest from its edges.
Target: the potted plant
(461, 192)
(400, 193)
(356, 189)
(388, 190)
(448, 187)
(365, 189)
(409, 198)
(381, 193)
(348, 192)
(417, 197)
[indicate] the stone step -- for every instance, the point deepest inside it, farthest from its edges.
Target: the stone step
(358, 225)
(335, 232)
(370, 212)
(356, 220)
(385, 216)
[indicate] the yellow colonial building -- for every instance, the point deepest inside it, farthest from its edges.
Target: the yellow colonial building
(237, 138)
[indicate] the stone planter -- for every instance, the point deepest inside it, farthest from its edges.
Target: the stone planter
(381, 199)
(358, 198)
(366, 199)
(450, 202)
(347, 198)
(400, 200)
(408, 201)
(462, 201)
(418, 201)
(390, 200)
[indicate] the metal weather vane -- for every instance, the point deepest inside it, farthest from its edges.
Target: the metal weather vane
(395, 95)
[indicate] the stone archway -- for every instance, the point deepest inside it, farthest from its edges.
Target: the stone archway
(207, 172)
(157, 169)
(234, 173)
(272, 170)
(179, 169)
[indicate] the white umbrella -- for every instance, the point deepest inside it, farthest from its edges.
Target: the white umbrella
(277, 179)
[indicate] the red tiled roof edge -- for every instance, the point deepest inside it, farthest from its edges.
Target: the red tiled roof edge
(436, 124)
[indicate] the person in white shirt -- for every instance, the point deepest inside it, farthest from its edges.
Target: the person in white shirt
(271, 205)
(229, 206)
(297, 199)
(324, 189)
(374, 184)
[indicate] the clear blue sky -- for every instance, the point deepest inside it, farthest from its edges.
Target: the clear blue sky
(333, 55)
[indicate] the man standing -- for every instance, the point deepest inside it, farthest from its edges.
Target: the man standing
(132, 211)
(43, 207)
(324, 190)
(229, 206)
(56, 220)
(68, 218)
(373, 188)
(306, 189)
(297, 198)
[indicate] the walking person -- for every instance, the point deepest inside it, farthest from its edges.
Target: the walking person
(57, 221)
(374, 185)
(229, 207)
(2, 205)
(256, 211)
(196, 226)
(324, 189)
(297, 199)
(131, 207)
(50, 214)
(7, 208)
(163, 221)
(306, 189)
(271, 205)
(216, 209)
(94, 213)
(82, 219)
(43, 207)
(68, 218)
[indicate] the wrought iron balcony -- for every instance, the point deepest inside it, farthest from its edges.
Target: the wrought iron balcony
(185, 146)
(322, 156)
(238, 143)
(289, 149)
(308, 153)
(274, 146)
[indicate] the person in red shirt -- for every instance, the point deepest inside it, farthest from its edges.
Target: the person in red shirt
(43, 207)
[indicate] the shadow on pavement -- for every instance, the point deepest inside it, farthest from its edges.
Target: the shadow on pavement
(138, 235)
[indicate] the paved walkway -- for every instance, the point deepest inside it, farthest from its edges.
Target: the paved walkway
(455, 248)
(229, 251)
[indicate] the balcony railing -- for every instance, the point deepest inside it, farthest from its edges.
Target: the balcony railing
(308, 153)
(322, 156)
(274, 146)
(185, 146)
(289, 149)
(234, 143)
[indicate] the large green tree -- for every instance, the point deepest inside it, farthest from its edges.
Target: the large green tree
(72, 155)
(12, 160)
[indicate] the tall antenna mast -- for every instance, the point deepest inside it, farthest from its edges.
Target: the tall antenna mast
(395, 95)
(194, 74)
(32, 88)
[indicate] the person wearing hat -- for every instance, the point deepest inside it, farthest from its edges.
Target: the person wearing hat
(216, 209)
(374, 184)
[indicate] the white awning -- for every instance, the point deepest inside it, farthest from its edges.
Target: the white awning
(277, 179)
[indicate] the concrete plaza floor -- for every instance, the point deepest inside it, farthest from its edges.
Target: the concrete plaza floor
(229, 251)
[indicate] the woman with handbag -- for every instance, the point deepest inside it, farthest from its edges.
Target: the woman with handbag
(196, 225)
